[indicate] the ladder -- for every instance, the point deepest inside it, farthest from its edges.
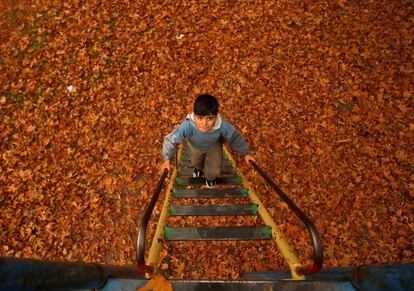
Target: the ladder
(231, 184)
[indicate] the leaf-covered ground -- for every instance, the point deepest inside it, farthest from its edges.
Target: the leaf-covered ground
(322, 91)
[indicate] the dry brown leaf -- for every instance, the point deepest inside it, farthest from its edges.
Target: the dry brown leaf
(157, 283)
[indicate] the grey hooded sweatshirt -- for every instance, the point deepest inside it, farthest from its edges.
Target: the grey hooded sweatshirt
(221, 131)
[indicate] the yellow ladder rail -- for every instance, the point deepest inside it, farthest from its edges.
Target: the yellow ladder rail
(158, 239)
(284, 247)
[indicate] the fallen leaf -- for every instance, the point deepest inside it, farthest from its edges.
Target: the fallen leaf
(157, 283)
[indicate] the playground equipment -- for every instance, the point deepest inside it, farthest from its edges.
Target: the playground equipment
(23, 274)
(231, 177)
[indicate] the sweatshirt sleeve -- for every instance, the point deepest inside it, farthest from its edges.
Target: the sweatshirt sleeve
(173, 139)
(235, 140)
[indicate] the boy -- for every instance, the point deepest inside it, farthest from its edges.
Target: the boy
(206, 130)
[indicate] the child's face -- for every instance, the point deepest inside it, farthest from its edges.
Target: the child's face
(204, 123)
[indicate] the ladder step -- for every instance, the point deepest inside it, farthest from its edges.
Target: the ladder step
(218, 233)
(187, 163)
(210, 193)
(183, 181)
(189, 171)
(213, 210)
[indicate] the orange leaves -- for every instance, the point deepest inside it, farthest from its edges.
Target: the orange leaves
(178, 268)
(322, 92)
(286, 178)
(109, 184)
(346, 261)
(12, 188)
(157, 283)
(394, 220)
(330, 251)
(401, 156)
(126, 121)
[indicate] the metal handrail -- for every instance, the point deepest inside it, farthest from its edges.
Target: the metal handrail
(316, 240)
(144, 223)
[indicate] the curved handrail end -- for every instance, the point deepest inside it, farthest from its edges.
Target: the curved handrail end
(315, 237)
(144, 222)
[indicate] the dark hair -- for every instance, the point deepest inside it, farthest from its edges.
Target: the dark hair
(206, 104)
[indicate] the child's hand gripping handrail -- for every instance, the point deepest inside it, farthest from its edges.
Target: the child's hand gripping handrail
(316, 241)
(144, 222)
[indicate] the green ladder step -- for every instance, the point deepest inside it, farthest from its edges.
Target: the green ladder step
(189, 171)
(218, 233)
(224, 163)
(184, 181)
(210, 193)
(213, 210)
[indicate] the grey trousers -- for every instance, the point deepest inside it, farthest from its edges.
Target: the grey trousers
(208, 161)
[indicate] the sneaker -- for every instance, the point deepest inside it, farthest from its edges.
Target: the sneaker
(197, 173)
(211, 183)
